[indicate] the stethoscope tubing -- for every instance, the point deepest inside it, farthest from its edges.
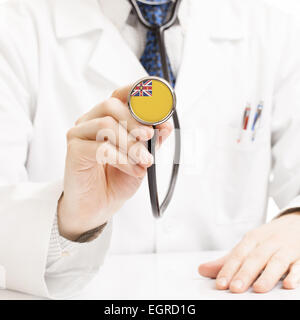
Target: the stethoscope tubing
(158, 209)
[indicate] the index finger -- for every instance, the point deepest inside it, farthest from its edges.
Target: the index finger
(120, 94)
(234, 262)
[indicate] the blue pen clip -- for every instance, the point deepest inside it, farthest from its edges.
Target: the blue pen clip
(256, 119)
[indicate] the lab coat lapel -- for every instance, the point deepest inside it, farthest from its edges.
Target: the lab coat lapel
(114, 60)
(210, 24)
(111, 58)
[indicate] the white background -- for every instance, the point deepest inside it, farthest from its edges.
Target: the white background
(289, 6)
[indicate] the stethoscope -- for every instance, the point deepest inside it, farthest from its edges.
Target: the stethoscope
(158, 209)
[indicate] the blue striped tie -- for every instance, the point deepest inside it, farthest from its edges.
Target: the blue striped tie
(155, 14)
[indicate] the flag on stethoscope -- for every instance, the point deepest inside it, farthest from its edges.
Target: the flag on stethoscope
(143, 89)
(152, 100)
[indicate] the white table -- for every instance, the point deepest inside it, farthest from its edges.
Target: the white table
(163, 276)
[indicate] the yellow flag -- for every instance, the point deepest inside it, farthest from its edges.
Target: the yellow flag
(152, 100)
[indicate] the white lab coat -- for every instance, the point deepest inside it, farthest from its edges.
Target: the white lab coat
(59, 58)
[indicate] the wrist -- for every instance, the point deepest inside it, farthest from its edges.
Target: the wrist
(72, 227)
(64, 228)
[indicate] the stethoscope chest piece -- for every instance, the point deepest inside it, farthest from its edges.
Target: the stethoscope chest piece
(152, 101)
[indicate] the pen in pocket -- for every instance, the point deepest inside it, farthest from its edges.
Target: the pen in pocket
(256, 119)
(245, 121)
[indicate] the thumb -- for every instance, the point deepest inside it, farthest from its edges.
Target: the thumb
(212, 268)
(122, 93)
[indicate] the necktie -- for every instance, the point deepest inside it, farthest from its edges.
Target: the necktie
(155, 14)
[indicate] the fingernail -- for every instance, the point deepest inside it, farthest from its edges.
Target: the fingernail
(222, 282)
(146, 157)
(149, 132)
(143, 134)
(237, 284)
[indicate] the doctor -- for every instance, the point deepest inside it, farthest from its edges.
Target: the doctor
(65, 67)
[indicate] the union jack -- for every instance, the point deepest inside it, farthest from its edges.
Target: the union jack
(143, 89)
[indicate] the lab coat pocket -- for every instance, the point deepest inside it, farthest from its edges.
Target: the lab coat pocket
(241, 175)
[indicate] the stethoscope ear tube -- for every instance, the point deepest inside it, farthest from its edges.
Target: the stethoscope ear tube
(158, 209)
